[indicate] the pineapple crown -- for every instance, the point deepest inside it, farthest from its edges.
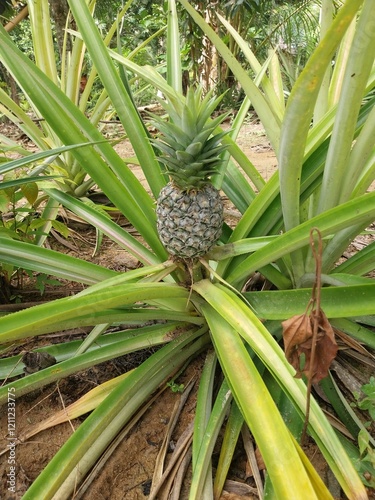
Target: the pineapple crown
(190, 149)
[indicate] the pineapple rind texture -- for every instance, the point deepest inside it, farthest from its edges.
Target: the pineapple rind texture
(189, 222)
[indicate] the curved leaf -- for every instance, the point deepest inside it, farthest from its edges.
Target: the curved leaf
(98, 430)
(43, 260)
(359, 211)
(88, 309)
(284, 466)
(230, 309)
(337, 301)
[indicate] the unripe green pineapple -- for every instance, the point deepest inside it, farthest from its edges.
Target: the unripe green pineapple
(189, 208)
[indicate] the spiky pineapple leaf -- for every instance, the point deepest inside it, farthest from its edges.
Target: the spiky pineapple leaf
(169, 150)
(194, 148)
(208, 106)
(188, 143)
(185, 157)
(189, 122)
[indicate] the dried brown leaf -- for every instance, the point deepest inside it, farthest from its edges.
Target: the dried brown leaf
(298, 338)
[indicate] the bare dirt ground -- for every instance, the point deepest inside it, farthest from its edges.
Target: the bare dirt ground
(128, 472)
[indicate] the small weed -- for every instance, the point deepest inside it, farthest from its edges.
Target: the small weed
(175, 387)
(366, 450)
(368, 402)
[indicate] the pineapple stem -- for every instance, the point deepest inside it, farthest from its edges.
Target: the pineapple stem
(196, 272)
(192, 270)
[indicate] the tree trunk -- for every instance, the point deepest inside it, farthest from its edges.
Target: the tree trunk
(59, 13)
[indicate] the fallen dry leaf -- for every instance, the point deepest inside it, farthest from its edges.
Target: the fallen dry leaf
(298, 338)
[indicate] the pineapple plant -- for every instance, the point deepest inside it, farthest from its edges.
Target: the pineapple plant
(189, 208)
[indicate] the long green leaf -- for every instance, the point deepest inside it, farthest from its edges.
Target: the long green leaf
(21, 182)
(73, 127)
(356, 330)
(202, 462)
(104, 351)
(120, 98)
(270, 93)
(43, 260)
(297, 120)
(263, 215)
(105, 225)
(22, 162)
(20, 118)
(358, 211)
(202, 416)
(231, 309)
(148, 74)
(263, 109)
(44, 49)
(98, 430)
(12, 367)
(230, 439)
(337, 301)
(174, 70)
(284, 466)
(361, 158)
(360, 62)
(48, 317)
(300, 108)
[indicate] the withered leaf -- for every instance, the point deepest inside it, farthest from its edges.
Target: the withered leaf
(35, 361)
(298, 336)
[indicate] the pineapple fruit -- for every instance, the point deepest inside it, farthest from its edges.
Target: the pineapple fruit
(189, 208)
